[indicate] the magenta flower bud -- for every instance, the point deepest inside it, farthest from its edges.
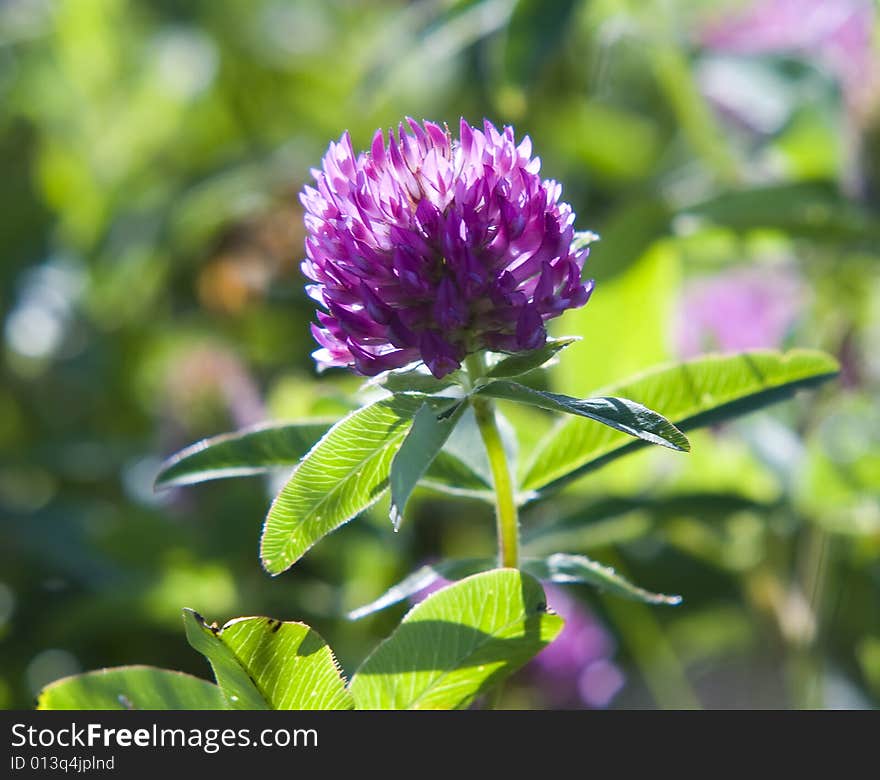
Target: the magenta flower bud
(428, 248)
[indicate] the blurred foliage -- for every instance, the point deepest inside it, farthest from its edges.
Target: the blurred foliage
(151, 234)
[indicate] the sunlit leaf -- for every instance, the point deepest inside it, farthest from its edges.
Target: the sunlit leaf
(344, 474)
(261, 664)
(131, 688)
(458, 643)
(703, 391)
(262, 448)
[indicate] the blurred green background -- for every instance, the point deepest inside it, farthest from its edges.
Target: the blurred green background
(727, 153)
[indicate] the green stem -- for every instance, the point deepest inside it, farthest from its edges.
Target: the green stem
(807, 654)
(505, 500)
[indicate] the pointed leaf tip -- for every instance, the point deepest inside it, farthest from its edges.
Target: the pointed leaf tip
(621, 414)
(563, 568)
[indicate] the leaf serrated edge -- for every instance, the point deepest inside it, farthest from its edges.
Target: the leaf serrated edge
(217, 632)
(379, 494)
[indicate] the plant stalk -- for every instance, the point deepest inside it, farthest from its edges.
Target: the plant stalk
(505, 500)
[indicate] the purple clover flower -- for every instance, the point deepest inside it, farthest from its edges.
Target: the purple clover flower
(576, 669)
(428, 248)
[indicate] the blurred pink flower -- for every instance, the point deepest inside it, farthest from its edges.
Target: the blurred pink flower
(743, 308)
(835, 33)
(576, 669)
(209, 375)
(419, 596)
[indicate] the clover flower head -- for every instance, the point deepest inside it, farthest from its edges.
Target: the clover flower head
(429, 248)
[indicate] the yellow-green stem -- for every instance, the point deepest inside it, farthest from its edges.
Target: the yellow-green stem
(505, 499)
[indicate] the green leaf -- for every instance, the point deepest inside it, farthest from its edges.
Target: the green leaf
(806, 209)
(426, 437)
(131, 688)
(451, 475)
(461, 468)
(420, 579)
(458, 643)
(522, 362)
(249, 451)
(239, 690)
(260, 449)
(618, 413)
(265, 664)
(465, 444)
(343, 474)
(558, 567)
(572, 569)
(703, 391)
